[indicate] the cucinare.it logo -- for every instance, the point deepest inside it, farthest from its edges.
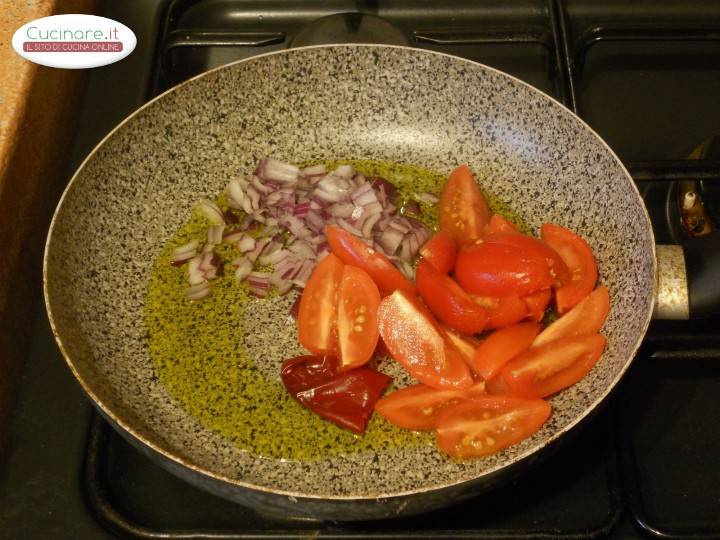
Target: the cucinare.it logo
(74, 41)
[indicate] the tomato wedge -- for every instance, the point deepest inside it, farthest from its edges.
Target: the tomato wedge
(542, 371)
(440, 251)
(357, 317)
(578, 257)
(448, 301)
(463, 210)
(502, 346)
(465, 344)
(317, 315)
(415, 339)
(353, 251)
(346, 398)
(587, 317)
(503, 311)
(499, 224)
(537, 303)
(418, 406)
(491, 269)
(486, 425)
(535, 248)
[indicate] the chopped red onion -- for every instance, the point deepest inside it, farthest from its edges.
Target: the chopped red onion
(401, 225)
(246, 243)
(211, 211)
(277, 171)
(195, 274)
(254, 198)
(344, 171)
(379, 183)
(373, 208)
(244, 267)
(259, 186)
(369, 224)
(215, 234)
(407, 270)
(411, 207)
(390, 240)
(315, 222)
(349, 228)
(232, 237)
(184, 253)
(274, 257)
(364, 195)
(405, 254)
(314, 170)
(427, 198)
(341, 210)
(259, 246)
(302, 249)
(259, 283)
(198, 291)
(301, 209)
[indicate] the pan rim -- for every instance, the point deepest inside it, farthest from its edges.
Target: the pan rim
(202, 471)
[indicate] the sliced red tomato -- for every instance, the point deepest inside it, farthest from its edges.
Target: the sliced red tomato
(503, 311)
(502, 346)
(499, 224)
(536, 248)
(465, 344)
(498, 270)
(578, 257)
(418, 406)
(587, 317)
(463, 210)
(357, 317)
(537, 303)
(416, 340)
(317, 316)
(345, 398)
(440, 251)
(486, 425)
(353, 251)
(542, 371)
(448, 301)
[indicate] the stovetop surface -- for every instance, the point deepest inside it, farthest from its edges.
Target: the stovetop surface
(645, 465)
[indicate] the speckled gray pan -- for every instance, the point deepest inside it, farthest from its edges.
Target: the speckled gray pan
(363, 102)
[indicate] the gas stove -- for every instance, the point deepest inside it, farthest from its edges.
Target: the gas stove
(645, 76)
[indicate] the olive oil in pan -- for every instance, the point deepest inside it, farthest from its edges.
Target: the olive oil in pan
(220, 358)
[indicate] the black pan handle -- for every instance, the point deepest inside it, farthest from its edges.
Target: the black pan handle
(689, 279)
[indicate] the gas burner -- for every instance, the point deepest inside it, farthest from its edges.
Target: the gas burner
(349, 28)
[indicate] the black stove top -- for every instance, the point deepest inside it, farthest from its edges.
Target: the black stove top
(645, 75)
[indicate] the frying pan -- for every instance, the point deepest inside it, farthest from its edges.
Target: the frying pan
(367, 102)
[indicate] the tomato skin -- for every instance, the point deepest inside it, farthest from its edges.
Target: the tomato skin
(357, 330)
(578, 257)
(353, 251)
(537, 303)
(502, 346)
(463, 210)
(415, 339)
(535, 248)
(498, 270)
(448, 301)
(499, 224)
(587, 317)
(440, 251)
(317, 315)
(547, 369)
(486, 425)
(345, 398)
(503, 311)
(417, 407)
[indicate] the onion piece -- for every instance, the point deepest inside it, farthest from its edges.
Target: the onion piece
(259, 283)
(369, 224)
(211, 211)
(243, 267)
(184, 253)
(274, 257)
(302, 249)
(277, 171)
(314, 170)
(390, 240)
(246, 243)
(427, 198)
(198, 291)
(349, 228)
(195, 274)
(215, 234)
(341, 210)
(344, 171)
